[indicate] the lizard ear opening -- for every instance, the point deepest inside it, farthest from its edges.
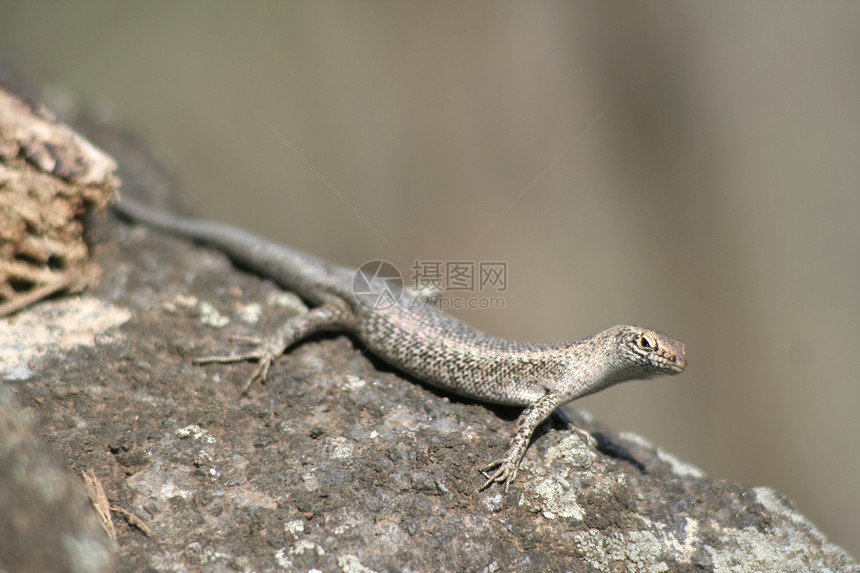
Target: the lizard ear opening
(646, 341)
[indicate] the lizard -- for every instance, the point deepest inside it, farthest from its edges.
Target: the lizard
(411, 334)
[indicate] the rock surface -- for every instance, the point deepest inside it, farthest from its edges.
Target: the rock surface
(339, 463)
(46, 520)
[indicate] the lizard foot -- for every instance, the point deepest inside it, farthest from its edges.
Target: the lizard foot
(590, 442)
(589, 439)
(506, 472)
(265, 353)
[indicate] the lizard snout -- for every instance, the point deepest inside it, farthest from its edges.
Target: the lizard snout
(679, 363)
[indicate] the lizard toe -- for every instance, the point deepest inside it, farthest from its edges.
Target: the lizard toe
(505, 474)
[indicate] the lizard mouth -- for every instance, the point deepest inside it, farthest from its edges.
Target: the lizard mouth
(678, 364)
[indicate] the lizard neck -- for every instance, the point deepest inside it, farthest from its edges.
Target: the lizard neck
(598, 362)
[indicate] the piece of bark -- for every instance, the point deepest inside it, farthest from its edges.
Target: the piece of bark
(50, 176)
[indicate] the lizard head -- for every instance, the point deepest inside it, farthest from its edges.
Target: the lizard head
(643, 353)
(622, 353)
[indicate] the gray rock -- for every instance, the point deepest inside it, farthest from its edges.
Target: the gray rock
(46, 520)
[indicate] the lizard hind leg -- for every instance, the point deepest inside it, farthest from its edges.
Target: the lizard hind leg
(332, 314)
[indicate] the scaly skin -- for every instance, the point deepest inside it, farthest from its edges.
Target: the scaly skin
(413, 335)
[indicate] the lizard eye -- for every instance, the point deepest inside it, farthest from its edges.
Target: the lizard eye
(646, 341)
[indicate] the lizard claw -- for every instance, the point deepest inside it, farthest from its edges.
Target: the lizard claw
(265, 354)
(590, 442)
(506, 473)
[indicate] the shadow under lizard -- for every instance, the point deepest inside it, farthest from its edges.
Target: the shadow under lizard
(414, 336)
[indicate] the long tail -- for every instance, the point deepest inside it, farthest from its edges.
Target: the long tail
(289, 267)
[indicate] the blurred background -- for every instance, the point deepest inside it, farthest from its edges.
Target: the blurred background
(690, 167)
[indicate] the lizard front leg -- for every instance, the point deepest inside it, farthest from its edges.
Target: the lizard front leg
(508, 466)
(335, 313)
